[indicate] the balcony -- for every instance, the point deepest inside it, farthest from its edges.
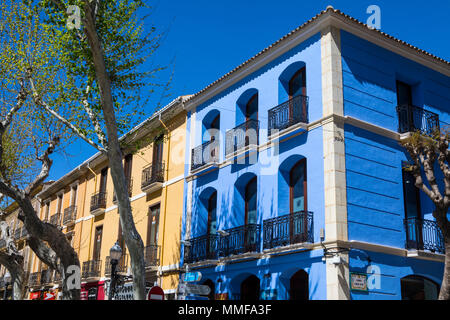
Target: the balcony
(288, 230)
(91, 269)
(152, 177)
(151, 256)
(54, 219)
(130, 190)
(202, 248)
(238, 241)
(46, 277)
(205, 157)
(35, 279)
(122, 266)
(288, 114)
(98, 203)
(242, 138)
(424, 235)
(412, 119)
(70, 215)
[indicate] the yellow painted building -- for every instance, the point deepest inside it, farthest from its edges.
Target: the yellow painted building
(83, 204)
(19, 235)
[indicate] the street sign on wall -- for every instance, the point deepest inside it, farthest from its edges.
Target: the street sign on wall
(195, 289)
(358, 281)
(192, 276)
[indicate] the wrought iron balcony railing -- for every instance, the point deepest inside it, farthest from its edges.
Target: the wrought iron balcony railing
(98, 201)
(202, 248)
(151, 255)
(288, 113)
(288, 229)
(130, 190)
(242, 136)
(246, 238)
(34, 279)
(54, 219)
(70, 215)
(207, 153)
(412, 118)
(424, 235)
(46, 277)
(91, 269)
(152, 173)
(237, 241)
(121, 267)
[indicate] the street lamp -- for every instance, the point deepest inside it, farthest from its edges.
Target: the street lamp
(115, 253)
(7, 279)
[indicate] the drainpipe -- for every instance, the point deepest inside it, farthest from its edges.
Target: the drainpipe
(165, 199)
(82, 218)
(92, 223)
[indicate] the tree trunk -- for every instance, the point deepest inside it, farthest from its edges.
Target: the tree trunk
(14, 264)
(56, 240)
(132, 238)
(444, 294)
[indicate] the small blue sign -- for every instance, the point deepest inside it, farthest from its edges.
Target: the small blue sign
(192, 277)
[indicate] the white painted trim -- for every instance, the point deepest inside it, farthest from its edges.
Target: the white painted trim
(174, 180)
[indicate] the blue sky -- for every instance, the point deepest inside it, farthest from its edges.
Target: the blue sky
(206, 39)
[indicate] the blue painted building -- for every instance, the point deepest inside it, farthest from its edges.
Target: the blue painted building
(294, 185)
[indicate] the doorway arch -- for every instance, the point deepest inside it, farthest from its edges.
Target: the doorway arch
(250, 288)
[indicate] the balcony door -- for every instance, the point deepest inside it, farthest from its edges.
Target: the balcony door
(251, 113)
(404, 101)
(97, 243)
(297, 87)
(153, 225)
(298, 203)
(103, 180)
(158, 150)
(250, 214)
(411, 200)
(212, 224)
(214, 134)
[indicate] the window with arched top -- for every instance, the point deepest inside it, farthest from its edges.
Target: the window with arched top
(419, 288)
(212, 214)
(297, 187)
(299, 286)
(251, 202)
(251, 109)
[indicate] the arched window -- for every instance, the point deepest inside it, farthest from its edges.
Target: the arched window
(298, 222)
(212, 214)
(419, 288)
(297, 187)
(251, 202)
(251, 110)
(297, 84)
(299, 286)
(250, 288)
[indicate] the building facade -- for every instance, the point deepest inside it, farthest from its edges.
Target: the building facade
(294, 182)
(83, 204)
